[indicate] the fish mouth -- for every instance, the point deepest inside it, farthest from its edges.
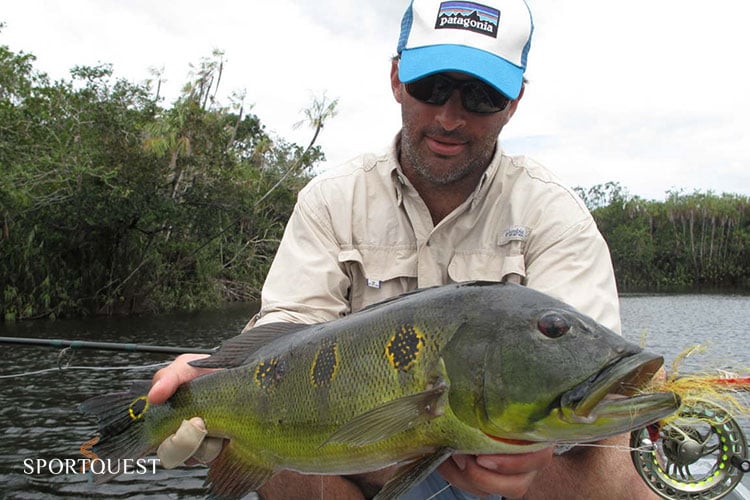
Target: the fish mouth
(610, 398)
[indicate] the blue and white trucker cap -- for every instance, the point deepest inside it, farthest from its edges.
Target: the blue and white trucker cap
(489, 40)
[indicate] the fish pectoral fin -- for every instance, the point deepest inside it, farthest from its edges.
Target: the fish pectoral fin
(412, 473)
(390, 418)
(231, 475)
(235, 351)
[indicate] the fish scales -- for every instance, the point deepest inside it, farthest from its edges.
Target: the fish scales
(471, 368)
(279, 413)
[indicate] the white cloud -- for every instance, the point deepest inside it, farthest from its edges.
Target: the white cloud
(650, 93)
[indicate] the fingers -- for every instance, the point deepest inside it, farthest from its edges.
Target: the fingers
(506, 475)
(166, 381)
(181, 445)
(190, 442)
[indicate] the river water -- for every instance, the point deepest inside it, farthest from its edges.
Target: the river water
(39, 421)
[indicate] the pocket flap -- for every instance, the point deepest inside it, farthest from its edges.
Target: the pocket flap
(484, 266)
(383, 264)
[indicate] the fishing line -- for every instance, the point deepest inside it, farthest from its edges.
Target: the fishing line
(618, 447)
(70, 346)
(92, 368)
(434, 495)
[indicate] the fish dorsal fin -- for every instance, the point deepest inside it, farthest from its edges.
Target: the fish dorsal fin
(412, 473)
(236, 351)
(417, 291)
(390, 418)
(396, 297)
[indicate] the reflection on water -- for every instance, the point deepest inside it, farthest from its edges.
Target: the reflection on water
(40, 421)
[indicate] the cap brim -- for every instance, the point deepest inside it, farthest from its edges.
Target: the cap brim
(423, 61)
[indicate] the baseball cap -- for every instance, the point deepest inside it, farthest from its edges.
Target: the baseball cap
(488, 40)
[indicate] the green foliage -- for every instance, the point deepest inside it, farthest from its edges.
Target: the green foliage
(688, 241)
(111, 203)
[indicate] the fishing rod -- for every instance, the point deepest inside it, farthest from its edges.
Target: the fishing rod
(102, 346)
(738, 383)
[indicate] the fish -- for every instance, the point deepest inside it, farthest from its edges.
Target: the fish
(474, 368)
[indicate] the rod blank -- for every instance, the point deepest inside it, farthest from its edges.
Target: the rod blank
(102, 346)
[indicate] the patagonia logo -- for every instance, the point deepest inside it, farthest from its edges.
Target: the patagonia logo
(468, 16)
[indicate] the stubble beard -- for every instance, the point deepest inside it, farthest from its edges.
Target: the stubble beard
(422, 166)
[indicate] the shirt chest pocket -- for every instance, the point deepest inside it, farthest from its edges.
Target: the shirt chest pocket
(487, 266)
(378, 274)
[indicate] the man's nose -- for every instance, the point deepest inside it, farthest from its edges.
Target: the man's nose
(452, 114)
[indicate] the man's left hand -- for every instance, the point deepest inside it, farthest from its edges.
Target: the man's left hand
(505, 475)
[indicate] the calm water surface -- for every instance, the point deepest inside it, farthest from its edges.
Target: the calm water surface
(38, 419)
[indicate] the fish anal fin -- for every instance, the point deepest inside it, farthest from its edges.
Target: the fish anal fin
(408, 475)
(235, 351)
(390, 418)
(231, 476)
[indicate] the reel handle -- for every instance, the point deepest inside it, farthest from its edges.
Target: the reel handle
(740, 463)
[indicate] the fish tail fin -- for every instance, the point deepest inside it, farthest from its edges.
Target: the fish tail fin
(122, 431)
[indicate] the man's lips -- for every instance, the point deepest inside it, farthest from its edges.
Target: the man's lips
(445, 146)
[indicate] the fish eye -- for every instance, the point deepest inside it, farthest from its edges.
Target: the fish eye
(553, 325)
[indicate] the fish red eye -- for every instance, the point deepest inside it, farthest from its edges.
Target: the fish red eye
(553, 325)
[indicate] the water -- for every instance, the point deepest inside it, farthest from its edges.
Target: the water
(671, 323)
(38, 420)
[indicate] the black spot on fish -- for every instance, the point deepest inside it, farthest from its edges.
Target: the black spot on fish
(325, 365)
(403, 348)
(138, 407)
(269, 372)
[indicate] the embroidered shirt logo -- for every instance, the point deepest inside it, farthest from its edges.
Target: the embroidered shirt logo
(468, 16)
(514, 233)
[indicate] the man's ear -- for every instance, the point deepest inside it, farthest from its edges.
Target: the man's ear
(514, 105)
(396, 86)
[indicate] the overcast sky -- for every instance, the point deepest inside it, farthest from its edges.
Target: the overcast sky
(649, 93)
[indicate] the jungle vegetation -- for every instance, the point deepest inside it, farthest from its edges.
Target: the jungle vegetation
(697, 241)
(112, 202)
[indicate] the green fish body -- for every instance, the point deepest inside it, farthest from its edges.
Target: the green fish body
(469, 368)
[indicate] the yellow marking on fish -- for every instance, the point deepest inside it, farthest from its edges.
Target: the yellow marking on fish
(138, 407)
(404, 347)
(268, 372)
(325, 365)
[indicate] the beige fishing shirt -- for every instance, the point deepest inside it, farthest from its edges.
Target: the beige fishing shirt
(360, 233)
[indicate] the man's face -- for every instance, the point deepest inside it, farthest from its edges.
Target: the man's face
(446, 143)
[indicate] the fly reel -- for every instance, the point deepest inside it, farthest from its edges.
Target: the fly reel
(702, 454)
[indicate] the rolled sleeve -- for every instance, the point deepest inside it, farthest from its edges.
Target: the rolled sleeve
(305, 283)
(576, 267)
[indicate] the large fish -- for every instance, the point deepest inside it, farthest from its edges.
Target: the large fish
(469, 368)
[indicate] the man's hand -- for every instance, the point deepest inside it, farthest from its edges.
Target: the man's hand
(190, 442)
(506, 475)
(168, 379)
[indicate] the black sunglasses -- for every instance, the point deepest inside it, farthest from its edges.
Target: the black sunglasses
(476, 96)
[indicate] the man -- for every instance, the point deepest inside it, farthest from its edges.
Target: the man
(444, 204)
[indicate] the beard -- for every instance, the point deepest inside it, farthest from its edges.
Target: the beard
(442, 170)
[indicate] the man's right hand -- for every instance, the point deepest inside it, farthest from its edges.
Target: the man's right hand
(190, 442)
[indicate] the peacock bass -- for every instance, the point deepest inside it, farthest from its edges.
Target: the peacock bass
(470, 368)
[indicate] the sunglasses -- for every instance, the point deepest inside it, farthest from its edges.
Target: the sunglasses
(476, 96)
